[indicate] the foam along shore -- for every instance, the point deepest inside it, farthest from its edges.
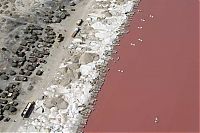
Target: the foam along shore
(67, 103)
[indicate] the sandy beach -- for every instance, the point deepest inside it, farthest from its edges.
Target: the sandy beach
(64, 89)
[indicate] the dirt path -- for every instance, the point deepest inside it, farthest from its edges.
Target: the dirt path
(158, 88)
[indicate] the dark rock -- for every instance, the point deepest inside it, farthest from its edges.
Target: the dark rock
(39, 72)
(36, 64)
(40, 55)
(7, 88)
(12, 73)
(12, 109)
(57, 20)
(48, 28)
(21, 78)
(49, 45)
(14, 64)
(15, 95)
(17, 89)
(7, 107)
(24, 44)
(1, 111)
(10, 90)
(30, 87)
(28, 73)
(26, 49)
(20, 64)
(39, 45)
(51, 32)
(2, 101)
(40, 40)
(13, 85)
(3, 49)
(30, 68)
(45, 52)
(7, 119)
(21, 54)
(4, 77)
(1, 73)
(72, 3)
(21, 72)
(20, 48)
(1, 117)
(14, 103)
(22, 59)
(32, 59)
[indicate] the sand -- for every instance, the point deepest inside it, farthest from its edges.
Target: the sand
(89, 51)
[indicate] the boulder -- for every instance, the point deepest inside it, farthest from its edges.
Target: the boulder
(72, 3)
(12, 73)
(87, 58)
(39, 72)
(14, 64)
(75, 58)
(21, 72)
(12, 109)
(4, 77)
(77, 75)
(48, 104)
(74, 66)
(62, 105)
(28, 73)
(58, 102)
(1, 117)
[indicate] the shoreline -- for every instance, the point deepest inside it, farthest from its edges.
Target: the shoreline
(73, 85)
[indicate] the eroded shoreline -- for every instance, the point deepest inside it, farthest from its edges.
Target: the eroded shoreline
(75, 68)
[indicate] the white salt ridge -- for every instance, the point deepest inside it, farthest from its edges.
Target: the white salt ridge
(77, 93)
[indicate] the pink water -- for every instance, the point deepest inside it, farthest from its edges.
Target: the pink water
(160, 77)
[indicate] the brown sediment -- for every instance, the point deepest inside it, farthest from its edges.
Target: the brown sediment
(160, 73)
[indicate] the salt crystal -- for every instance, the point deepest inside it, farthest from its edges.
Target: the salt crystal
(122, 71)
(143, 20)
(139, 27)
(119, 70)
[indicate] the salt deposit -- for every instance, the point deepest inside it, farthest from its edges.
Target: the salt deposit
(66, 107)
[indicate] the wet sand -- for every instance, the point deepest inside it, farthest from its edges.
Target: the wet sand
(160, 74)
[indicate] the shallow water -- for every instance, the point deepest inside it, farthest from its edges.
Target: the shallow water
(160, 73)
